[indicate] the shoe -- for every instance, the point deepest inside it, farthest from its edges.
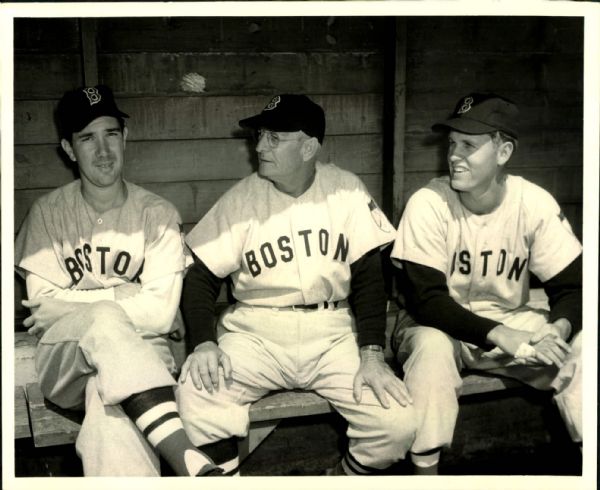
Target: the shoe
(210, 470)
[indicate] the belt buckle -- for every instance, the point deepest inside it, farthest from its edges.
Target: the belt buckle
(328, 305)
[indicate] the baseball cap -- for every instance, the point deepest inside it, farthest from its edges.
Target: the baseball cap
(290, 112)
(79, 107)
(479, 113)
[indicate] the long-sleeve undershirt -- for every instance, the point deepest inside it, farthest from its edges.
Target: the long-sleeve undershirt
(429, 301)
(368, 298)
(198, 303)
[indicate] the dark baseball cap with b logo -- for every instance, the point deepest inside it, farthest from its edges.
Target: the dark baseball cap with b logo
(79, 107)
(480, 113)
(290, 112)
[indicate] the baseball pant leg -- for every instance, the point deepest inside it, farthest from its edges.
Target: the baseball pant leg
(98, 340)
(378, 437)
(431, 364)
(109, 443)
(214, 421)
(209, 418)
(568, 395)
(566, 381)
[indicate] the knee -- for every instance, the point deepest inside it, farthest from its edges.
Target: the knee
(106, 318)
(431, 346)
(433, 341)
(107, 312)
(209, 417)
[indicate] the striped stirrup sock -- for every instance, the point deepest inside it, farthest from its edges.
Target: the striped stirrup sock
(225, 455)
(427, 458)
(154, 412)
(353, 467)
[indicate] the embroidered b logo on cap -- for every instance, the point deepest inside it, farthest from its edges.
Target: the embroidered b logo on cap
(466, 106)
(92, 94)
(274, 103)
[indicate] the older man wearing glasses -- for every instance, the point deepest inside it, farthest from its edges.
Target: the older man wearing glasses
(300, 241)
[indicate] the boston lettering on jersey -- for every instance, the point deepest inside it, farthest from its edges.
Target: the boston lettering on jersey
(76, 265)
(492, 263)
(269, 255)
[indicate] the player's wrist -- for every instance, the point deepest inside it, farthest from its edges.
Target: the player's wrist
(371, 347)
(496, 334)
(205, 345)
(371, 352)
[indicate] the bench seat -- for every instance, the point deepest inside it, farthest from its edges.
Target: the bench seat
(50, 425)
(22, 429)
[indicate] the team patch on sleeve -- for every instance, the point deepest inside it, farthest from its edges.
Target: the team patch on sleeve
(378, 216)
(564, 221)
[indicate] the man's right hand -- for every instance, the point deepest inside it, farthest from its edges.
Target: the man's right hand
(204, 364)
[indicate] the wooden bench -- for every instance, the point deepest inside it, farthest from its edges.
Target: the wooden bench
(49, 425)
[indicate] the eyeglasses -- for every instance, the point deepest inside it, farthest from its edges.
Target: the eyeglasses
(273, 139)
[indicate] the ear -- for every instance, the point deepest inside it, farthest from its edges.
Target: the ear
(68, 149)
(310, 148)
(125, 133)
(504, 152)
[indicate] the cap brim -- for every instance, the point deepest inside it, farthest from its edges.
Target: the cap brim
(464, 125)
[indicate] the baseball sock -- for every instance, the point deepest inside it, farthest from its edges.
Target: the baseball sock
(426, 463)
(154, 412)
(225, 455)
(349, 466)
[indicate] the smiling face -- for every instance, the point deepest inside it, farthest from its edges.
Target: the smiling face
(475, 161)
(98, 150)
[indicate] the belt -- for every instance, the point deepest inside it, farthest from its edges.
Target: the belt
(325, 305)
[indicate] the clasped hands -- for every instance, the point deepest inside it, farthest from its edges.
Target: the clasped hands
(548, 345)
(46, 310)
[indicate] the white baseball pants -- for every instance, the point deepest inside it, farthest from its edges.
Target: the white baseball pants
(94, 358)
(432, 362)
(315, 350)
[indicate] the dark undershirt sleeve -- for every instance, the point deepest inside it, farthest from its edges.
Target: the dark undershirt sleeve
(429, 302)
(368, 298)
(198, 299)
(564, 295)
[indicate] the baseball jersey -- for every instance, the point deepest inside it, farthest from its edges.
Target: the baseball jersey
(64, 242)
(283, 251)
(486, 258)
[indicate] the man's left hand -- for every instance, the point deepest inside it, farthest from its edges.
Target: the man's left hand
(375, 373)
(45, 312)
(550, 344)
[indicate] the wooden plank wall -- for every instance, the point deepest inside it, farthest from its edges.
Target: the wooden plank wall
(188, 147)
(537, 62)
